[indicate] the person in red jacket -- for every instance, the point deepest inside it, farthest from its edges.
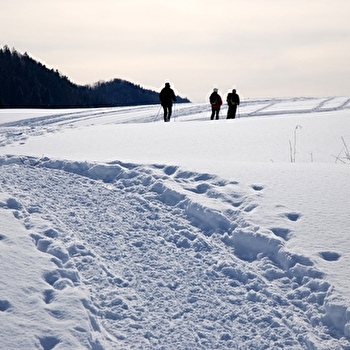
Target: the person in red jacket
(215, 102)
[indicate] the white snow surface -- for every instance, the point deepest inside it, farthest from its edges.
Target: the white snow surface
(120, 231)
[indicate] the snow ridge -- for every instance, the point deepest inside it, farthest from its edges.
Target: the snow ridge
(163, 258)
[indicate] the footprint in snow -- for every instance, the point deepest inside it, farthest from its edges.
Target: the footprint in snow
(4, 305)
(170, 170)
(292, 216)
(51, 233)
(257, 187)
(49, 296)
(60, 279)
(49, 343)
(250, 208)
(48, 245)
(200, 188)
(14, 204)
(281, 232)
(330, 256)
(184, 175)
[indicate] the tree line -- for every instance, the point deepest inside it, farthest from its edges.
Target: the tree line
(27, 83)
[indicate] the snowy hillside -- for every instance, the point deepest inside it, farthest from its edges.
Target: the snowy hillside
(120, 231)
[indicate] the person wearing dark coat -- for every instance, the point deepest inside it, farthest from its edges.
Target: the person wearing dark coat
(215, 102)
(232, 101)
(167, 97)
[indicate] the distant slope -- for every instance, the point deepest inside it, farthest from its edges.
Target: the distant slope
(27, 83)
(120, 92)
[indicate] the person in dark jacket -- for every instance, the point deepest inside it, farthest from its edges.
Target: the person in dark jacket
(232, 101)
(215, 102)
(167, 97)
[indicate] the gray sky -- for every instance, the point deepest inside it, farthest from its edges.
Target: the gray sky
(264, 48)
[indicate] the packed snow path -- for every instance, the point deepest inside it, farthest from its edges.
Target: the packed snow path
(158, 257)
(163, 269)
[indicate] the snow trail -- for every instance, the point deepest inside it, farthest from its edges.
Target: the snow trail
(168, 257)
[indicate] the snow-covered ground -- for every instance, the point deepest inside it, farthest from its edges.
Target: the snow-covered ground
(120, 231)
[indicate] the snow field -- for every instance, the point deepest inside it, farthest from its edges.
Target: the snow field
(152, 255)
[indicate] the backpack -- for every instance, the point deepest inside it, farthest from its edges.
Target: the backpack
(214, 100)
(231, 99)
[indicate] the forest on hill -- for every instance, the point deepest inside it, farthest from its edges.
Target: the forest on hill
(27, 83)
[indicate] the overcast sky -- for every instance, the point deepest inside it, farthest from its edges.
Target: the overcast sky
(264, 48)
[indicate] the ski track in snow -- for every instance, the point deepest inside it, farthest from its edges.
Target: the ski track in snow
(150, 245)
(20, 130)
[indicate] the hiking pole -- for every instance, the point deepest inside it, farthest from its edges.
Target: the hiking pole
(174, 114)
(156, 118)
